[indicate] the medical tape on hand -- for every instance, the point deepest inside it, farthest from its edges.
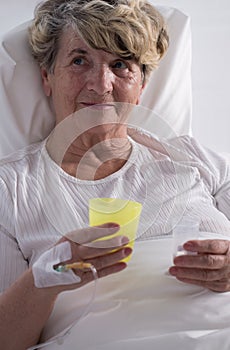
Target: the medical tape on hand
(45, 275)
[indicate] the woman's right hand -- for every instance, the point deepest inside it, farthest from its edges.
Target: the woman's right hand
(105, 255)
(91, 245)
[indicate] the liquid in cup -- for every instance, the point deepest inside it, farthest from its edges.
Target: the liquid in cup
(124, 212)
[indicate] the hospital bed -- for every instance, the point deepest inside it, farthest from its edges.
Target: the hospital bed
(141, 307)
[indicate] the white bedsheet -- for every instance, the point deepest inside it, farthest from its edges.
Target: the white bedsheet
(144, 308)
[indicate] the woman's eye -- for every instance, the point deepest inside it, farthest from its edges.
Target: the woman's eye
(120, 65)
(79, 61)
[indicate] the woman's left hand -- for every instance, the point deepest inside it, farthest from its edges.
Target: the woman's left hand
(210, 268)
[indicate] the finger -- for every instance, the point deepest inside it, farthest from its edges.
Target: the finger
(108, 244)
(112, 269)
(110, 259)
(215, 286)
(215, 246)
(199, 274)
(208, 261)
(96, 249)
(90, 234)
(104, 266)
(88, 276)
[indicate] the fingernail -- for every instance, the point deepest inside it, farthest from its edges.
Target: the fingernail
(189, 245)
(124, 240)
(172, 271)
(127, 251)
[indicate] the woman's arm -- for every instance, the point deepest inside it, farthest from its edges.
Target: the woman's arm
(25, 308)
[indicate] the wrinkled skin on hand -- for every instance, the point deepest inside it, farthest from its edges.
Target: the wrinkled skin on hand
(209, 268)
(105, 255)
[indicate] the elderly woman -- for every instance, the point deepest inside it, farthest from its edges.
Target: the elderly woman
(95, 59)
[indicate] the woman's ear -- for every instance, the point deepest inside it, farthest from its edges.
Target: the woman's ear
(46, 82)
(141, 90)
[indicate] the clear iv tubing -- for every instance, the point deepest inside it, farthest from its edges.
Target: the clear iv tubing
(59, 339)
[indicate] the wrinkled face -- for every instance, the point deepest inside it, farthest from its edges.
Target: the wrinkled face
(84, 77)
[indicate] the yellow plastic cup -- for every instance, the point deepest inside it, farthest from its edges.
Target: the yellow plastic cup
(124, 212)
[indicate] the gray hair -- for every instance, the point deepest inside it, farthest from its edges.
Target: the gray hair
(129, 28)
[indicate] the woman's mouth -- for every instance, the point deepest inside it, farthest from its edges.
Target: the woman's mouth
(97, 106)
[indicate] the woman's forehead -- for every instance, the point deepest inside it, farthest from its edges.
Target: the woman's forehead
(71, 39)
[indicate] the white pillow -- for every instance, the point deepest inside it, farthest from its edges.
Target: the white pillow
(26, 116)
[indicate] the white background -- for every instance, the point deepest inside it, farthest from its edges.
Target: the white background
(210, 22)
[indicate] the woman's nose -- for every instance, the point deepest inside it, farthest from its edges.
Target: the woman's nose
(100, 79)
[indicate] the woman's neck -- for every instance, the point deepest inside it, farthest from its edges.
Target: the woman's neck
(92, 156)
(98, 161)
